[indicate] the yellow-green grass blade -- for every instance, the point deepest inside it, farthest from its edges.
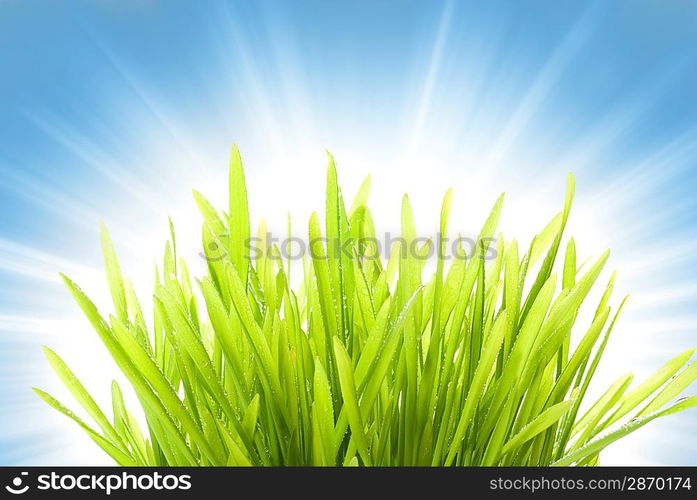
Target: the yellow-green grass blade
(672, 389)
(635, 397)
(121, 457)
(238, 217)
(348, 391)
(82, 396)
(322, 418)
(603, 442)
(122, 360)
(540, 423)
(481, 374)
(114, 277)
(150, 372)
(127, 427)
(361, 198)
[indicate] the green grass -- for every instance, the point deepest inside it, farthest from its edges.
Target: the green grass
(367, 362)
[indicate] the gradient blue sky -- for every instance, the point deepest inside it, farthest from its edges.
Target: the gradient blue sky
(114, 110)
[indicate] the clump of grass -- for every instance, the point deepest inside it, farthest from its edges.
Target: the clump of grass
(366, 363)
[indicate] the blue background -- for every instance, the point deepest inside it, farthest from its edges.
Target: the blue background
(114, 110)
